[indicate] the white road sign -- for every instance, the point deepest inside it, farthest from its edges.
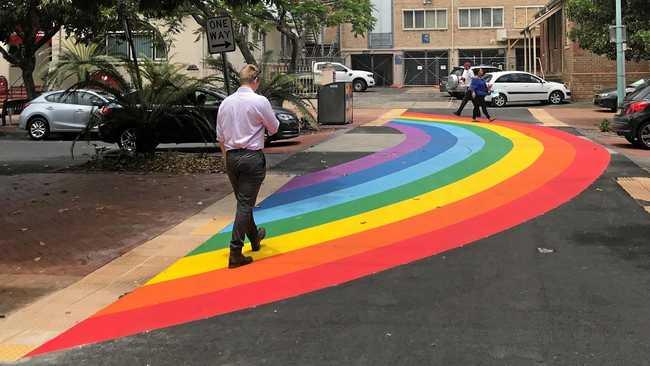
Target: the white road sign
(220, 35)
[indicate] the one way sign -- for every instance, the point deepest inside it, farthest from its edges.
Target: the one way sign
(220, 35)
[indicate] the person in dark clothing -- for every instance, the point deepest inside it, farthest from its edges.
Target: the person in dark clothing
(479, 90)
(465, 78)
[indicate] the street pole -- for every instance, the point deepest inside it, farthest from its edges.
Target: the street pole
(620, 57)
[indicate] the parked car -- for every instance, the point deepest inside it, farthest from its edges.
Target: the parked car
(518, 86)
(453, 86)
(608, 98)
(60, 111)
(633, 122)
(361, 80)
(115, 127)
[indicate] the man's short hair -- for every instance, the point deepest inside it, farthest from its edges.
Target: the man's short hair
(467, 63)
(248, 74)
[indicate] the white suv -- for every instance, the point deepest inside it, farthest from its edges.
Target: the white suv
(361, 80)
(517, 86)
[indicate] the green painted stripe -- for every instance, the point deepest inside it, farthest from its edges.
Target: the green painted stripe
(496, 146)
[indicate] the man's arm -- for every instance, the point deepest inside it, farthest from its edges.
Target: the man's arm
(269, 120)
(222, 146)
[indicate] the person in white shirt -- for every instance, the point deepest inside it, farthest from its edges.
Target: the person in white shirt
(466, 80)
(241, 121)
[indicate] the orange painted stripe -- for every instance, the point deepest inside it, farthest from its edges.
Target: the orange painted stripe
(558, 155)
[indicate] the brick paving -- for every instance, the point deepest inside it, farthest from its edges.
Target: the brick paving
(57, 228)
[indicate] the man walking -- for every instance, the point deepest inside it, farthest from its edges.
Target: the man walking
(241, 122)
(466, 79)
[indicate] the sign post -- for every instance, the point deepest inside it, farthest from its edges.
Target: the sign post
(221, 39)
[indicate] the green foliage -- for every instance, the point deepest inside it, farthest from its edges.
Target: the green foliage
(605, 125)
(163, 95)
(592, 19)
(77, 62)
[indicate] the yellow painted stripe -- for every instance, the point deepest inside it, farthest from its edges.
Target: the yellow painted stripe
(524, 153)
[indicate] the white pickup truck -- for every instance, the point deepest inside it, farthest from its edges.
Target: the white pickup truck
(361, 80)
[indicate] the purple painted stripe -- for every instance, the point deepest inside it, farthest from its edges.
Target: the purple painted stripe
(415, 139)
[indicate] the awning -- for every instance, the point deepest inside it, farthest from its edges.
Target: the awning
(542, 18)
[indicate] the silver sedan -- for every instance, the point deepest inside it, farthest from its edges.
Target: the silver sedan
(60, 111)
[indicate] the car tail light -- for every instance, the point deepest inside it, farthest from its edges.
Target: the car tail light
(105, 111)
(637, 107)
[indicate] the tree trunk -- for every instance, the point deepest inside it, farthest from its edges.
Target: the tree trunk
(293, 64)
(27, 68)
(244, 48)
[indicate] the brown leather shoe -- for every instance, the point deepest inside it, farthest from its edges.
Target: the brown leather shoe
(237, 259)
(261, 234)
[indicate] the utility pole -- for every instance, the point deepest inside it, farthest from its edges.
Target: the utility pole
(620, 57)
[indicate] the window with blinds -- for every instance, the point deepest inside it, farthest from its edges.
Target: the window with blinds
(480, 17)
(425, 19)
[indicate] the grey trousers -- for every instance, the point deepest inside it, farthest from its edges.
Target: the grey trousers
(246, 170)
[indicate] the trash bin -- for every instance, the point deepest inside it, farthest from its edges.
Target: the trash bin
(335, 104)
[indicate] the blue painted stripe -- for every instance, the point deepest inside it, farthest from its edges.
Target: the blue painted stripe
(471, 144)
(441, 140)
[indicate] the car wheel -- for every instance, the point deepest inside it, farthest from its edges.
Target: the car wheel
(127, 140)
(359, 85)
(643, 136)
(556, 97)
(38, 128)
(613, 109)
(631, 139)
(499, 101)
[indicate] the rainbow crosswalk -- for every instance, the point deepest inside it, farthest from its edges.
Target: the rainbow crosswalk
(448, 184)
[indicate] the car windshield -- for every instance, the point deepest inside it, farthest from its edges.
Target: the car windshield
(641, 94)
(638, 83)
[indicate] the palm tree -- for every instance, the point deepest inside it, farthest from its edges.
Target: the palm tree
(77, 63)
(277, 87)
(161, 96)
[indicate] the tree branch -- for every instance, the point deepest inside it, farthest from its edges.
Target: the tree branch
(47, 37)
(11, 59)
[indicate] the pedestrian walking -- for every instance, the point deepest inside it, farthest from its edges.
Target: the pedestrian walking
(466, 78)
(479, 90)
(241, 121)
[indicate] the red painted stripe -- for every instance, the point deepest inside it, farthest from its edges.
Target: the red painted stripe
(558, 155)
(590, 162)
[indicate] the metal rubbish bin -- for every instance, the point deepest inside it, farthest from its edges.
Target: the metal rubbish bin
(335, 104)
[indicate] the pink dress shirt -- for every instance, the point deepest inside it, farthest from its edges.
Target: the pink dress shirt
(242, 119)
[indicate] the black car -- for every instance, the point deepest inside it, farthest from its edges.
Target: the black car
(118, 128)
(607, 98)
(634, 121)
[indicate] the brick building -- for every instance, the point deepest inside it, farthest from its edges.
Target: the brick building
(416, 42)
(563, 59)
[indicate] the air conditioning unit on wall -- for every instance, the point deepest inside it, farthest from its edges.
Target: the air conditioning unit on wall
(502, 35)
(427, 2)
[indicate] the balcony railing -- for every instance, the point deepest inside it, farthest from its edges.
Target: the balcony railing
(380, 40)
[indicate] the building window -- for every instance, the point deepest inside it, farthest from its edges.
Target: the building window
(524, 15)
(146, 45)
(480, 18)
(425, 19)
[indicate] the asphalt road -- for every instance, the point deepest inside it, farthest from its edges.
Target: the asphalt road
(496, 302)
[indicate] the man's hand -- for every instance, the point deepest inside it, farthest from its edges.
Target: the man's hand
(224, 152)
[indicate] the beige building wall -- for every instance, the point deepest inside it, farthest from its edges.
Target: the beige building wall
(453, 38)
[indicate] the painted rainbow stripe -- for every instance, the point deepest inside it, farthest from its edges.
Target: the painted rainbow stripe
(448, 184)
